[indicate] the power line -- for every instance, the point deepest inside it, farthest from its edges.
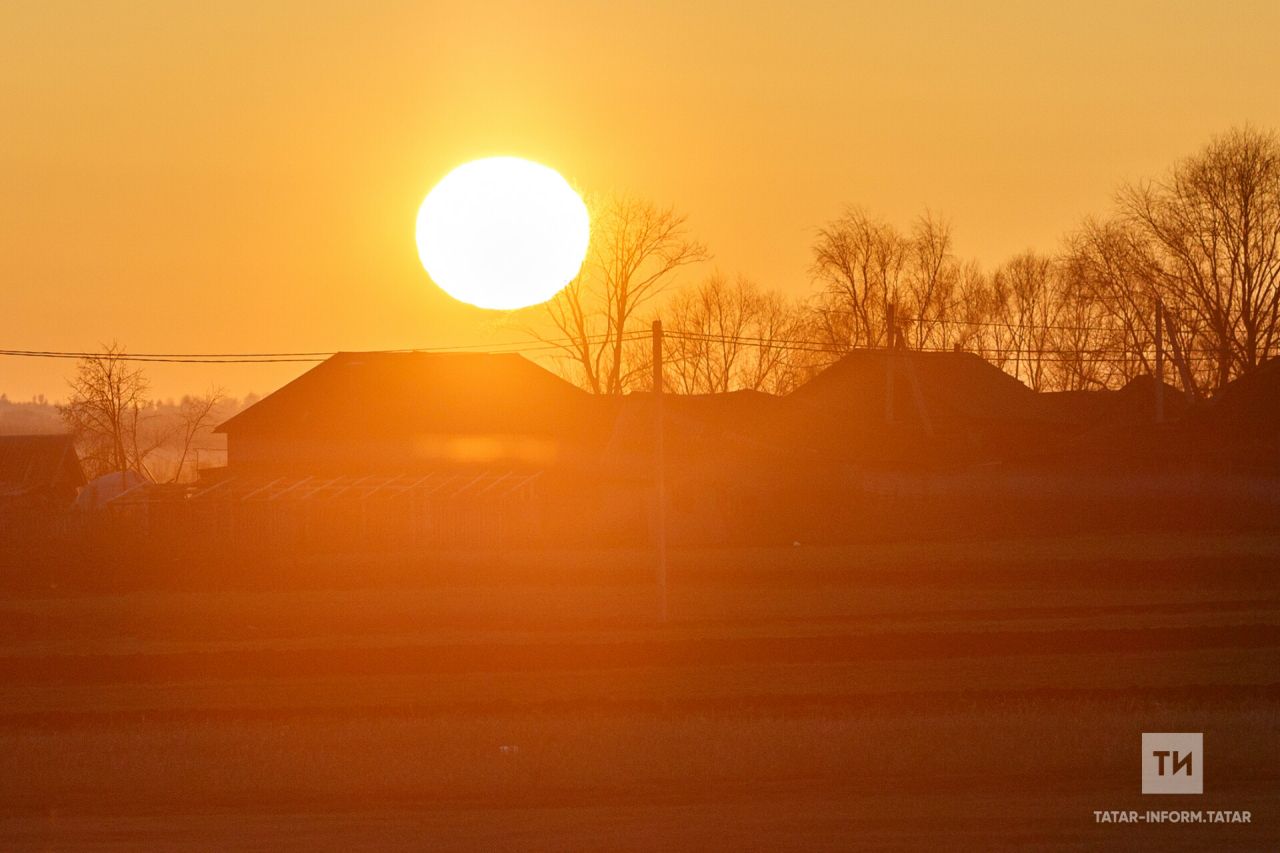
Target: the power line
(155, 359)
(999, 355)
(533, 345)
(1012, 351)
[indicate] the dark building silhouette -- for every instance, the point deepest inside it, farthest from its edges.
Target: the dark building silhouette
(410, 450)
(361, 413)
(38, 472)
(912, 410)
(39, 476)
(1240, 427)
(404, 450)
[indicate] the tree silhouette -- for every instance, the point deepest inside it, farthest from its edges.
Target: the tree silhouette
(1212, 226)
(636, 249)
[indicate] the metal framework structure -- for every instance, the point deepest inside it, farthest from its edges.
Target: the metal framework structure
(328, 514)
(435, 487)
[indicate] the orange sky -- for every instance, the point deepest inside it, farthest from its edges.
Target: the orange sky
(245, 179)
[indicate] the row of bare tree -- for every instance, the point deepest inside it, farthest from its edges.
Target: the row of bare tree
(119, 428)
(1200, 246)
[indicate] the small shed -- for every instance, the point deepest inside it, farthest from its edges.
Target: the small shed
(38, 472)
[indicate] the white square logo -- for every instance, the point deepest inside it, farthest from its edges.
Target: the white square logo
(1173, 762)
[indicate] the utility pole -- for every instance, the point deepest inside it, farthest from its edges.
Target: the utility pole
(1159, 377)
(1180, 358)
(891, 333)
(660, 468)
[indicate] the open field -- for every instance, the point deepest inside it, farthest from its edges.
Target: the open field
(890, 696)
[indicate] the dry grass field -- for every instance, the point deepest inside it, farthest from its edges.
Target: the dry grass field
(969, 694)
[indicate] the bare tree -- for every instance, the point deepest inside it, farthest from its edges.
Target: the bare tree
(1087, 353)
(1109, 267)
(931, 282)
(973, 308)
(108, 411)
(864, 264)
(784, 356)
(636, 249)
(1026, 305)
(726, 335)
(858, 263)
(196, 418)
(1213, 225)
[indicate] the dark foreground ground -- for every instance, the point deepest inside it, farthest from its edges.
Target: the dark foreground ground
(964, 695)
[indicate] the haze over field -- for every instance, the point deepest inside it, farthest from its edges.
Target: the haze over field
(246, 178)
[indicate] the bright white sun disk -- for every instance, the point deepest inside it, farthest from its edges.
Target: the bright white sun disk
(502, 233)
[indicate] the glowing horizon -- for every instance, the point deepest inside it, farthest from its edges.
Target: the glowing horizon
(244, 177)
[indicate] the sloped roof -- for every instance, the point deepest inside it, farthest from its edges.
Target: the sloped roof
(1240, 425)
(397, 393)
(31, 464)
(1248, 406)
(950, 383)
(944, 406)
(948, 408)
(1133, 404)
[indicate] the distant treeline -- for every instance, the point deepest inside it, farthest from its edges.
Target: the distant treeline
(168, 440)
(1198, 248)
(35, 417)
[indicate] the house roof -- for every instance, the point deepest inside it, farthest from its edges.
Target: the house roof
(1104, 408)
(947, 407)
(379, 394)
(1249, 406)
(950, 383)
(30, 464)
(1240, 425)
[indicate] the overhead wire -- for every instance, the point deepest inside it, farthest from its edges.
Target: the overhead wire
(275, 357)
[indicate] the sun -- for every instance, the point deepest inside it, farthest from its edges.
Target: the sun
(502, 233)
